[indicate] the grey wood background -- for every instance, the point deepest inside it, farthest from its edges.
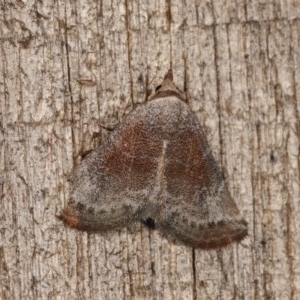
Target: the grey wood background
(69, 67)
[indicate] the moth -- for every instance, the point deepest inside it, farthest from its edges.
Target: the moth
(156, 167)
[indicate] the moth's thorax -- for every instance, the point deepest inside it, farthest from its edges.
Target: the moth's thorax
(155, 114)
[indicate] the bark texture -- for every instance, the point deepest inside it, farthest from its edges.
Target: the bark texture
(70, 68)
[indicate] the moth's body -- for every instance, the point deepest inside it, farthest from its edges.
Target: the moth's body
(156, 165)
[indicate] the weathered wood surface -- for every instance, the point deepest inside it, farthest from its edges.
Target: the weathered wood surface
(68, 67)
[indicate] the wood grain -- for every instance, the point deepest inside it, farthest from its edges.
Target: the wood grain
(70, 68)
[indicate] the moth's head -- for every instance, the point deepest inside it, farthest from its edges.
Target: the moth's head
(167, 88)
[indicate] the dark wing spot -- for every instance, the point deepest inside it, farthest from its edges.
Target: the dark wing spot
(157, 88)
(149, 222)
